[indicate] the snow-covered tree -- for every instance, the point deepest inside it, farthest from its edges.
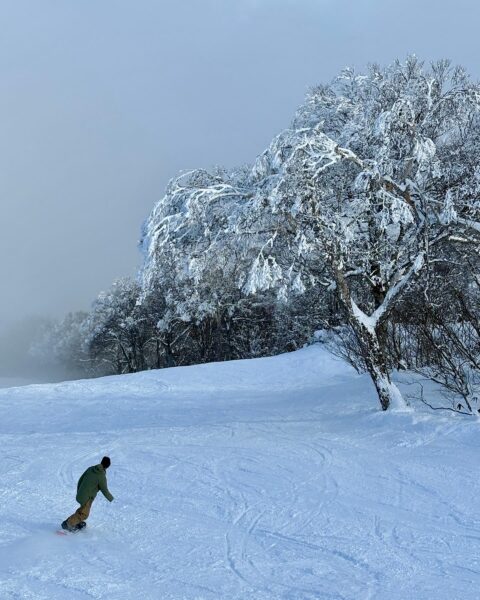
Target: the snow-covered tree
(435, 331)
(62, 343)
(376, 179)
(117, 329)
(378, 175)
(192, 257)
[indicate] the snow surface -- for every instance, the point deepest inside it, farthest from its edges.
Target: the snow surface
(275, 478)
(6, 382)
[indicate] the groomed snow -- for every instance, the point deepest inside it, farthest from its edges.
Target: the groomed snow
(275, 478)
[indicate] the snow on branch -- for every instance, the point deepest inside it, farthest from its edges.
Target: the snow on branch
(401, 282)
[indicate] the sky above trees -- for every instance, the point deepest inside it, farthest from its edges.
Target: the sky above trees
(101, 103)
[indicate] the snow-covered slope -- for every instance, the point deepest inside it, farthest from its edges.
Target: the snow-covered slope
(6, 382)
(275, 478)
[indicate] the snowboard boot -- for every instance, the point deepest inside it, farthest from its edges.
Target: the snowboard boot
(80, 526)
(66, 527)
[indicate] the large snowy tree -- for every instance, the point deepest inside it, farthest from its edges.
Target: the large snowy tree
(375, 181)
(380, 174)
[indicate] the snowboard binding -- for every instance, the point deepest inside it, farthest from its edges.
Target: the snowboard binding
(78, 527)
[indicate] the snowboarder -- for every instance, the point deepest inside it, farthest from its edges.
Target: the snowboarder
(94, 479)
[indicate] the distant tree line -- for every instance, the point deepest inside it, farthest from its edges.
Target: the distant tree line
(361, 221)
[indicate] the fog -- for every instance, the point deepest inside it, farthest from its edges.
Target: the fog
(102, 102)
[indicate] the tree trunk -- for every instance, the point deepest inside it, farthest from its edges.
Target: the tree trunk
(157, 353)
(375, 362)
(370, 344)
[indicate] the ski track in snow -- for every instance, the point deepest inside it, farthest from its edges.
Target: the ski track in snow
(273, 479)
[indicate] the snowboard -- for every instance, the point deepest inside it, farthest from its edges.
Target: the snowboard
(78, 528)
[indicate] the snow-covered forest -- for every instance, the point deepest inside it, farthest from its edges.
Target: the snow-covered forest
(358, 227)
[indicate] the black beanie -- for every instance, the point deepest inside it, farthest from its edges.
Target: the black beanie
(105, 462)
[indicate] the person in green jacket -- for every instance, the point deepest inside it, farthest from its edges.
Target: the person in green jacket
(93, 480)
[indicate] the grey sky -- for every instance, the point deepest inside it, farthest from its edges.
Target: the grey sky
(102, 101)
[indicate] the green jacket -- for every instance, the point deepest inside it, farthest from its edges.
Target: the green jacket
(93, 480)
